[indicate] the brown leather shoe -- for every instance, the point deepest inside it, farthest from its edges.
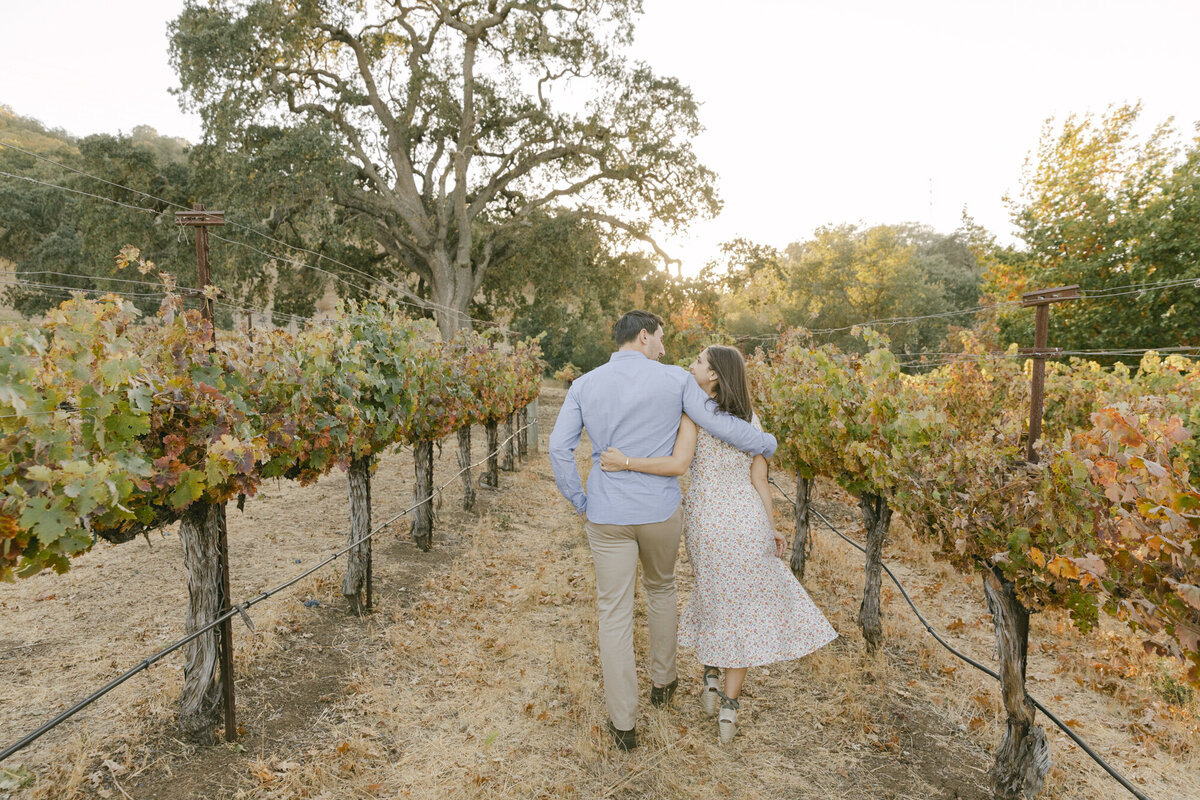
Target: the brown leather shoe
(626, 740)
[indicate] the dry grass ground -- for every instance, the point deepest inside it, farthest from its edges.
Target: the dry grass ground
(478, 677)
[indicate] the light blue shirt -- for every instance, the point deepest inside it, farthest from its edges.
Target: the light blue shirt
(634, 404)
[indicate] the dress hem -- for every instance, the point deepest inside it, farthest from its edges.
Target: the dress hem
(758, 663)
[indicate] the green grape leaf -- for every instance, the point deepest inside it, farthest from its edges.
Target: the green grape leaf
(189, 489)
(46, 519)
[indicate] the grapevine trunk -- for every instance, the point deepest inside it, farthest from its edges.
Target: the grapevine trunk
(507, 450)
(1023, 758)
(422, 526)
(877, 515)
(464, 464)
(801, 543)
(200, 702)
(523, 432)
(358, 559)
(492, 476)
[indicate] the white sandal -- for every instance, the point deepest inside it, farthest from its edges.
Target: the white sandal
(727, 722)
(712, 688)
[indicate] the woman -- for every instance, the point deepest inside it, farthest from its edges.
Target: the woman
(746, 608)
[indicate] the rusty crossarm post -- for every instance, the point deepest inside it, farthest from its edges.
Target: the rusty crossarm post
(201, 219)
(1041, 299)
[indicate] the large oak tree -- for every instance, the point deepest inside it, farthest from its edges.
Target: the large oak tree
(455, 123)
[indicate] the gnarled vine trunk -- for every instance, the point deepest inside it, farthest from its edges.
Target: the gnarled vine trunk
(422, 525)
(358, 559)
(801, 543)
(523, 432)
(1023, 758)
(507, 462)
(492, 476)
(200, 703)
(464, 464)
(877, 515)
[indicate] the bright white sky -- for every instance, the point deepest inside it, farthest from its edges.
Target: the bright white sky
(817, 111)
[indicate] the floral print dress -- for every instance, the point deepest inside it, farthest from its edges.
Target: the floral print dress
(746, 608)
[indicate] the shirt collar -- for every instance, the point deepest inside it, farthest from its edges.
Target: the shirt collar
(625, 355)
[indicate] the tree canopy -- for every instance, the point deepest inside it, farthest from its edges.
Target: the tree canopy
(453, 125)
(1114, 211)
(65, 238)
(845, 275)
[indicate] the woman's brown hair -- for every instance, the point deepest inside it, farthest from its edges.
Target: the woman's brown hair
(732, 389)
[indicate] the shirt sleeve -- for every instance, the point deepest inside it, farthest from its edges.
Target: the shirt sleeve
(568, 429)
(726, 427)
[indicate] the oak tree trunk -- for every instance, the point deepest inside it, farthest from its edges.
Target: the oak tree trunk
(464, 464)
(801, 543)
(492, 476)
(452, 287)
(507, 449)
(200, 703)
(422, 526)
(358, 559)
(876, 515)
(1023, 758)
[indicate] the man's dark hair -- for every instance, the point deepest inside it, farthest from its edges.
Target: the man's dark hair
(634, 322)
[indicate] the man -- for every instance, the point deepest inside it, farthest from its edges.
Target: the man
(634, 403)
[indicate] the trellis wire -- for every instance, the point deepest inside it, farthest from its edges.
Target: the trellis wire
(241, 609)
(423, 304)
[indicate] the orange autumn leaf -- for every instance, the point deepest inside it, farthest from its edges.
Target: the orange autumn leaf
(1063, 567)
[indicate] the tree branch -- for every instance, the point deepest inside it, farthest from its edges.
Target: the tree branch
(462, 156)
(397, 134)
(503, 179)
(628, 228)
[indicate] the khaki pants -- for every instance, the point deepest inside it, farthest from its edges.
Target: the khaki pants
(616, 550)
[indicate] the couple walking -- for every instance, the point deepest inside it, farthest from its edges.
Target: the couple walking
(649, 423)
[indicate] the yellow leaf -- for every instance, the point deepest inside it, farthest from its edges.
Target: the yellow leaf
(1063, 567)
(1037, 556)
(128, 255)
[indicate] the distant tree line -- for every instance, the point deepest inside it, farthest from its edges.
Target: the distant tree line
(1100, 205)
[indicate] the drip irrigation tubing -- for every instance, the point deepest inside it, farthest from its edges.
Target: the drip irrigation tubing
(1049, 715)
(241, 609)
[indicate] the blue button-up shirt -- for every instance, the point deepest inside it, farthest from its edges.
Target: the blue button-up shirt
(634, 404)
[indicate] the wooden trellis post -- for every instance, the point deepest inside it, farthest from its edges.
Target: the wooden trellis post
(1042, 299)
(202, 219)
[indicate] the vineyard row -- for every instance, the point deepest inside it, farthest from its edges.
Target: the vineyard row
(1106, 519)
(114, 425)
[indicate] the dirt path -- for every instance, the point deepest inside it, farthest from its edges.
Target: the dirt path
(478, 676)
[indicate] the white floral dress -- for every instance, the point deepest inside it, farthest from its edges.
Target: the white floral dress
(746, 608)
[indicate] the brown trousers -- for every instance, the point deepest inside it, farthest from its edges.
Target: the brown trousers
(616, 551)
